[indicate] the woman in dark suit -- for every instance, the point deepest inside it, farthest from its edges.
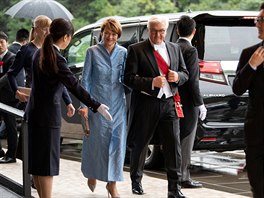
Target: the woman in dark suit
(43, 111)
(23, 61)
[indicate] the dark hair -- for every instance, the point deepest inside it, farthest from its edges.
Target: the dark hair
(185, 26)
(261, 6)
(3, 35)
(22, 35)
(58, 29)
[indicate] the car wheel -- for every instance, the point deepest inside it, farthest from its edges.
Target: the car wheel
(154, 157)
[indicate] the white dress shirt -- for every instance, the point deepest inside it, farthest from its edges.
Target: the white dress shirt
(162, 50)
(3, 54)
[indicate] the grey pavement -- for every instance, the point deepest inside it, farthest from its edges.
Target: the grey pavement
(6, 193)
(72, 184)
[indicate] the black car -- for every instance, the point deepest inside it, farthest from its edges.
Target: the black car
(220, 37)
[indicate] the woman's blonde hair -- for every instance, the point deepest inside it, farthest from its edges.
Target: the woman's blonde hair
(40, 21)
(113, 25)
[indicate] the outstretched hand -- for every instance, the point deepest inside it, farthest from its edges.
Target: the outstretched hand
(103, 110)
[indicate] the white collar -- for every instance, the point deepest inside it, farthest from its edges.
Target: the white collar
(15, 42)
(56, 47)
(187, 39)
(3, 54)
(159, 46)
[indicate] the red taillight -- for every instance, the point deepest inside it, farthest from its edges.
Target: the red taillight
(208, 139)
(211, 71)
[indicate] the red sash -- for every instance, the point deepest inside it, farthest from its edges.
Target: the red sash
(165, 69)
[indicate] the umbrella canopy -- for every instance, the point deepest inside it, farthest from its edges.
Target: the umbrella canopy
(32, 8)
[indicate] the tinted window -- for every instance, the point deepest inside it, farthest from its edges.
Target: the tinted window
(129, 35)
(227, 42)
(77, 48)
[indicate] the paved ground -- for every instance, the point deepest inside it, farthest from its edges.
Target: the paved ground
(72, 184)
(222, 171)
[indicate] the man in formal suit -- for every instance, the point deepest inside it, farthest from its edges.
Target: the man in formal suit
(22, 37)
(250, 76)
(191, 98)
(7, 59)
(154, 70)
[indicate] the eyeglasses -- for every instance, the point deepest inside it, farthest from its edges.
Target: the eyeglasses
(259, 20)
(162, 31)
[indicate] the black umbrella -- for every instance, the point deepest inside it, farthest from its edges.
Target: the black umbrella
(32, 8)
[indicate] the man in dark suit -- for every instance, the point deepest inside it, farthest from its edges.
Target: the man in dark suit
(154, 70)
(22, 37)
(7, 59)
(250, 76)
(191, 98)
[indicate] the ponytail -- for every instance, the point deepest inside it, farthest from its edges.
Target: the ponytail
(48, 58)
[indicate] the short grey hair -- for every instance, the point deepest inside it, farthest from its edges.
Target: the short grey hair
(158, 19)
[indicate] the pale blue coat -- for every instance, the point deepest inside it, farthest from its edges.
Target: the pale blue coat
(103, 151)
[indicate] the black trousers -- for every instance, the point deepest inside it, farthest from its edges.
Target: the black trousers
(155, 115)
(188, 126)
(11, 132)
(255, 169)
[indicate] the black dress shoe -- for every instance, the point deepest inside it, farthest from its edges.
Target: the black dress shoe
(177, 194)
(191, 184)
(2, 153)
(7, 159)
(137, 189)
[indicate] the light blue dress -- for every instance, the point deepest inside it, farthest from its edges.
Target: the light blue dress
(104, 149)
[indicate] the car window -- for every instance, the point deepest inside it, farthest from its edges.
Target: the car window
(77, 48)
(129, 35)
(225, 43)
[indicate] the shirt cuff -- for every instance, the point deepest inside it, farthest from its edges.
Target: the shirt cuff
(178, 79)
(152, 85)
(254, 68)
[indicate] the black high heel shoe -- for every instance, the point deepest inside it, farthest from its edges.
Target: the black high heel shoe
(109, 192)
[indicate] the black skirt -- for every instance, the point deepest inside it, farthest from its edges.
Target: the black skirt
(43, 150)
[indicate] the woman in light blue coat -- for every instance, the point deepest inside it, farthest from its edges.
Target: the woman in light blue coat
(104, 149)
